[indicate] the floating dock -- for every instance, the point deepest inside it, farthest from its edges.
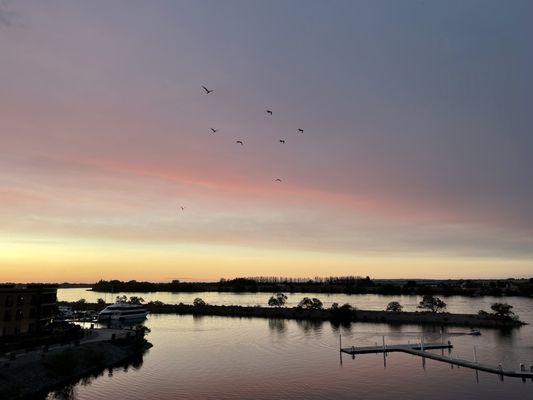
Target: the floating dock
(419, 349)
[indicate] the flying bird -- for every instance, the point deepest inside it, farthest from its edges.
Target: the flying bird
(182, 208)
(300, 130)
(207, 91)
(282, 141)
(214, 130)
(278, 180)
(269, 112)
(240, 142)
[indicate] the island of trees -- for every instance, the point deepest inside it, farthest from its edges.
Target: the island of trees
(432, 311)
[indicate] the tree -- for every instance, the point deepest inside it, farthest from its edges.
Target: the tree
(343, 312)
(311, 304)
(136, 300)
(394, 306)
(100, 302)
(122, 299)
(198, 302)
(431, 303)
(502, 310)
(278, 300)
(81, 302)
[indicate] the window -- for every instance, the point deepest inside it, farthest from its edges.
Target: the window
(8, 315)
(19, 315)
(9, 301)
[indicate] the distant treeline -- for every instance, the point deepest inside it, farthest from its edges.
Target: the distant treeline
(331, 280)
(345, 284)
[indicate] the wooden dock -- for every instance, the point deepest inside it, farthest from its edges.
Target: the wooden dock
(419, 349)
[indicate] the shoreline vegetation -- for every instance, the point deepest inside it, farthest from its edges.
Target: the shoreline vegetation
(38, 373)
(312, 309)
(345, 285)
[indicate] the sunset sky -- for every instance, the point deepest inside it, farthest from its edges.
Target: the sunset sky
(416, 158)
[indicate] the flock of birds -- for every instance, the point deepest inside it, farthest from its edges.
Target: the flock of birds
(241, 142)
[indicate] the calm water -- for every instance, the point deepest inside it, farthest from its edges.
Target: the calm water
(238, 358)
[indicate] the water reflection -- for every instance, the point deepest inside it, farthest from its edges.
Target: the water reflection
(70, 391)
(506, 335)
(277, 325)
(252, 358)
(313, 325)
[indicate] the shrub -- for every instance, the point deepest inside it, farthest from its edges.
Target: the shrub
(136, 300)
(431, 303)
(278, 300)
(394, 306)
(310, 304)
(198, 302)
(502, 310)
(343, 312)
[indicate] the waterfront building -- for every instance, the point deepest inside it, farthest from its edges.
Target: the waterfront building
(26, 309)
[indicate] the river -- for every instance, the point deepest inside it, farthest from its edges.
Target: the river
(241, 358)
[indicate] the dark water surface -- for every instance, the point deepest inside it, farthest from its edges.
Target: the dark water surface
(239, 358)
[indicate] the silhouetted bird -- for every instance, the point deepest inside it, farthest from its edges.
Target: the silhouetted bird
(182, 208)
(269, 112)
(239, 142)
(214, 130)
(278, 180)
(282, 141)
(207, 91)
(300, 130)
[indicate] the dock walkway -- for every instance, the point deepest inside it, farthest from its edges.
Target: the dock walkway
(419, 349)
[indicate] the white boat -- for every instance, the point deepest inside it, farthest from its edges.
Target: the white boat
(64, 313)
(123, 312)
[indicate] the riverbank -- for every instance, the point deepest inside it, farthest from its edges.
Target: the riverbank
(34, 375)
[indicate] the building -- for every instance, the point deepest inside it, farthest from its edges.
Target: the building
(26, 309)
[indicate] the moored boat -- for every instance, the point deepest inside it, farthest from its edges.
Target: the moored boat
(123, 312)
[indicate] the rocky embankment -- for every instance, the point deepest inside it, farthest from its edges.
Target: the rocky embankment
(33, 375)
